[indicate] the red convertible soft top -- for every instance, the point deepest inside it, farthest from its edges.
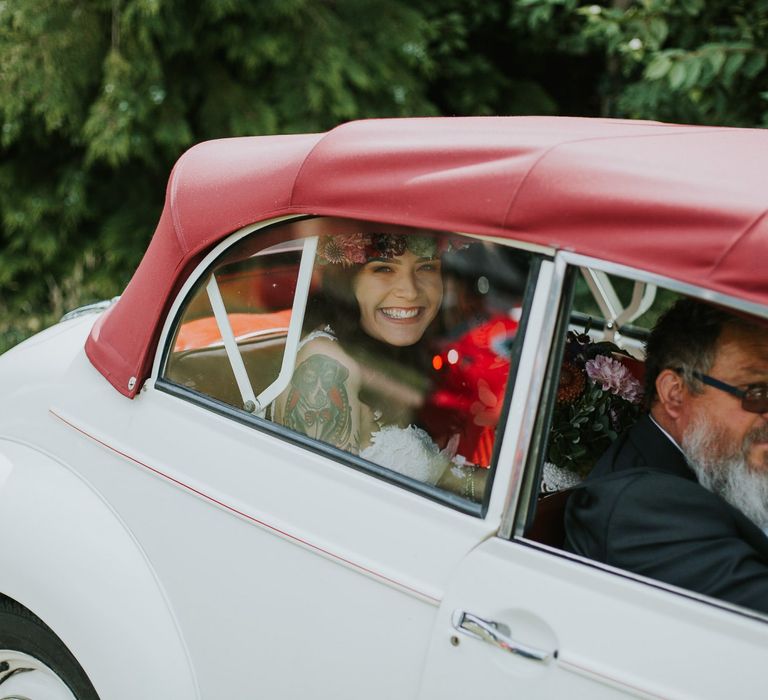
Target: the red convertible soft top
(682, 201)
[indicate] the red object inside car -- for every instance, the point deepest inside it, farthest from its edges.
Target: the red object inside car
(469, 382)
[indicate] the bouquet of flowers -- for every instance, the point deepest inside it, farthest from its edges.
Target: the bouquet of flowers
(597, 399)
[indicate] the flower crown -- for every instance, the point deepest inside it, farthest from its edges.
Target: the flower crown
(359, 248)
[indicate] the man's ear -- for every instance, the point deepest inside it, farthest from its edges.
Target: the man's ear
(671, 391)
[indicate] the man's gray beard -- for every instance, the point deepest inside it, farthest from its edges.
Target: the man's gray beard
(727, 473)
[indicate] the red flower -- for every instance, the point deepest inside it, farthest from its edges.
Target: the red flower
(572, 383)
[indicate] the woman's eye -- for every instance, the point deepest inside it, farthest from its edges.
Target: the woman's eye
(382, 268)
(429, 267)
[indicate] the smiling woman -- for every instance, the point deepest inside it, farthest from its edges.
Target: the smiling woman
(380, 296)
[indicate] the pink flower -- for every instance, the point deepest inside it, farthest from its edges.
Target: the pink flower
(613, 376)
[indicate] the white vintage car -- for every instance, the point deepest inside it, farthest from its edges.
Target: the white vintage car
(183, 519)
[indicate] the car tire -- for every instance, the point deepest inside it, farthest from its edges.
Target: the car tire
(34, 662)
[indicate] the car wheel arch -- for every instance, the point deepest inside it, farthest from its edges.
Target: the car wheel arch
(87, 578)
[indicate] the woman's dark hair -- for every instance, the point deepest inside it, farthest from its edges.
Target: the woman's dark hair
(335, 304)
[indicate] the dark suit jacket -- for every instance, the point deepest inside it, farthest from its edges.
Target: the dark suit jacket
(642, 509)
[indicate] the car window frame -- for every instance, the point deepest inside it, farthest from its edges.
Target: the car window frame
(519, 515)
(254, 420)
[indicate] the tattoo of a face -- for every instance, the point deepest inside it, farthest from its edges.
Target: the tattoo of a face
(318, 402)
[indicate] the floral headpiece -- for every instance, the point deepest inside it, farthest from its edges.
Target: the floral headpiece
(359, 248)
(597, 399)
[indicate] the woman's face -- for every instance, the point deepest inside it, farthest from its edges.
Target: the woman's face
(398, 297)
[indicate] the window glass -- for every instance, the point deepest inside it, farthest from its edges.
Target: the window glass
(257, 294)
(597, 293)
(391, 344)
(652, 442)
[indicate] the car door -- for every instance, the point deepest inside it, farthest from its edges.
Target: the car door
(292, 569)
(583, 632)
(521, 617)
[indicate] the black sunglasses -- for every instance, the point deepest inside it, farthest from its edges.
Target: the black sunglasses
(753, 399)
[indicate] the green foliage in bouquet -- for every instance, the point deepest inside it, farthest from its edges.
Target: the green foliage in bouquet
(598, 398)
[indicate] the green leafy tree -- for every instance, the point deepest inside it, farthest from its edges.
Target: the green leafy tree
(99, 97)
(691, 61)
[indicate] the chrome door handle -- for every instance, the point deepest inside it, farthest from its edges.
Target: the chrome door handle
(497, 634)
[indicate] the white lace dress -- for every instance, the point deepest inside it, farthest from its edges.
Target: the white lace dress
(410, 451)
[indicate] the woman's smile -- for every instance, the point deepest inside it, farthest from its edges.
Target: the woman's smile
(400, 314)
(398, 297)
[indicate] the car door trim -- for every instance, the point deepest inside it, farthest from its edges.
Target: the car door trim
(433, 597)
(347, 459)
(700, 598)
(632, 273)
(525, 402)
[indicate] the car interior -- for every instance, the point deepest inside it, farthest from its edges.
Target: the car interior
(609, 309)
(480, 315)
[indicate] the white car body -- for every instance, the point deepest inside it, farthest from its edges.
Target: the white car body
(180, 553)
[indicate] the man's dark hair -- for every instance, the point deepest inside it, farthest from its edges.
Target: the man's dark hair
(685, 336)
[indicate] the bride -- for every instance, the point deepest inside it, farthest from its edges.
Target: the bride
(360, 373)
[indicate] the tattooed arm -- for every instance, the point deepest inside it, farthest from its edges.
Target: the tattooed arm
(322, 399)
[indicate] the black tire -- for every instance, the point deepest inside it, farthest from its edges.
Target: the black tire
(21, 630)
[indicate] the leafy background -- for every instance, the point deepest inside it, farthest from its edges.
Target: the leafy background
(98, 98)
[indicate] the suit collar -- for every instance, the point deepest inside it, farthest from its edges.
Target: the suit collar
(657, 449)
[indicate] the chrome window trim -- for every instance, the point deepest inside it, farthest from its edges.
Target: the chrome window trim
(579, 260)
(545, 250)
(193, 279)
(525, 404)
(579, 560)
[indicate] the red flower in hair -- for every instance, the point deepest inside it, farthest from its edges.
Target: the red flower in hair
(345, 249)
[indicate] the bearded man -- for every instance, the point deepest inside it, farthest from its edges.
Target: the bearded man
(682, 497)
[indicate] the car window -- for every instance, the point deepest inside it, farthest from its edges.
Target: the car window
(605, 298)
(643, 492)
(256, 294)
(392, 346)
